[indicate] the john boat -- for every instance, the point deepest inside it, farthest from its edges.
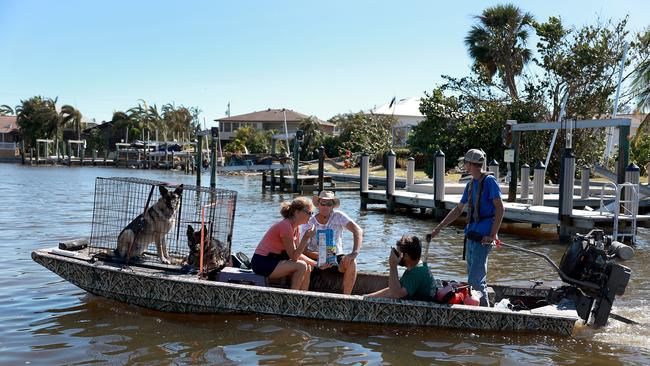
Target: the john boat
(589, 270)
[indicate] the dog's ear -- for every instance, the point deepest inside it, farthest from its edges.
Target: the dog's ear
(179, 190)
(190, 230)
(163, 192)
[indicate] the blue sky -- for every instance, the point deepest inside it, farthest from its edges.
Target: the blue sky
(319, 58)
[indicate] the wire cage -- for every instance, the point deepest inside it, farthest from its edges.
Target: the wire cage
(132, 215)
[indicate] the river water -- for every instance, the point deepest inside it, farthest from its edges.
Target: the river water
(44, 320)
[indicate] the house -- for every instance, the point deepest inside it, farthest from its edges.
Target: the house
(407, 113)
(9, 136)
(266, 120)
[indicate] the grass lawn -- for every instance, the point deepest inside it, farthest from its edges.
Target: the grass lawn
(381, 172)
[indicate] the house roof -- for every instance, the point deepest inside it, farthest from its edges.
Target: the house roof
(271, 115)
(8, 124)
(404, 107)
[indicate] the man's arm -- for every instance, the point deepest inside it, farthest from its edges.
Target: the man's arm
(451, 217)
(357, 234)
(395, 289)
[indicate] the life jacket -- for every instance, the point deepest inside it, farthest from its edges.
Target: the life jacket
(458, 293)
(473, 213)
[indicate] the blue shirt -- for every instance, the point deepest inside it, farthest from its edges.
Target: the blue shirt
(491, 191)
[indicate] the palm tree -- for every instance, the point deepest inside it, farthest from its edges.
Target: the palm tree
(72, 116)
(641, 81)
(6, 110)
(498, 44)
(121, 120)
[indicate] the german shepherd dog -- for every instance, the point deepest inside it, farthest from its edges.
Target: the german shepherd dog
(150, 227)
(215, 252)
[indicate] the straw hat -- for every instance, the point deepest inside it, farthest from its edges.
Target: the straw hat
(327, 195)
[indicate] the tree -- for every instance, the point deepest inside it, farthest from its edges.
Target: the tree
(361, 132)
(249, 139)
(313, 137)
(6, 110)
(37, 118)
(641, 80)
(498, 45)
(71, 116)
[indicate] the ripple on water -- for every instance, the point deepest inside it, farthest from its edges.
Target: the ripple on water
(45, 320)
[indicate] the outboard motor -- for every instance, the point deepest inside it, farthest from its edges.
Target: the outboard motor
(588, 264)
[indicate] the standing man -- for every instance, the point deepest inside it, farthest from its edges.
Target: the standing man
(485, 210)
(332, 223)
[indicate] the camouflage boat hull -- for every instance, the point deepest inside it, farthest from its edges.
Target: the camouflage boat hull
(169, 291)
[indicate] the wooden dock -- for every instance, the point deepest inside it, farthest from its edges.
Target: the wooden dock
(514, 211)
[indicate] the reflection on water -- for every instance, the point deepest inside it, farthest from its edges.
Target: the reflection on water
(45, 320)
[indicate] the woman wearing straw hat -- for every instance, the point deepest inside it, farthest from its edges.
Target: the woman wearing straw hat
(331, 223)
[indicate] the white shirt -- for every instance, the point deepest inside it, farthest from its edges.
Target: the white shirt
(337, 223)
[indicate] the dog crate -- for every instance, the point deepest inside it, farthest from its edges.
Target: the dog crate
(118, 201)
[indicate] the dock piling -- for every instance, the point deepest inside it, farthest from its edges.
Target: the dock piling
(584, 182)
(525, 182)
(321, 167)
(410, 172)
(439, 184)
(538, 184)
(363, 177)
(390, 182)
(494, 168)
(567, 177)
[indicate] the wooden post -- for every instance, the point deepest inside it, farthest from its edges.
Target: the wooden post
(567, 178)
(263, 181)
(439, 184)
(213, 157)
(525, 182)
(31, 156)
(390, 182)
(363, 180)
(584, 182)
(282, 182)
(38, 152)
(321, 168)
(494, 168)
(410, 172)
(538, 184)
(512, 187)
(199, 158)
(94, 156)
(296, 159)
(83, 156)
(273, 144)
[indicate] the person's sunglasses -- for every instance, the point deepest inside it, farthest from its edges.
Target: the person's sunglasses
(307, 212)
(326, 203)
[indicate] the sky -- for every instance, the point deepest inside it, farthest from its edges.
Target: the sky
(319, 58)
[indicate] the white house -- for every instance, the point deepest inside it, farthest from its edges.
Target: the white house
(407, 113)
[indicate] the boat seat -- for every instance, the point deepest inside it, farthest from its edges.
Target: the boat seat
(241, 276)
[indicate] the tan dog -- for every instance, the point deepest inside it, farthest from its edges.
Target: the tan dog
(150, 227)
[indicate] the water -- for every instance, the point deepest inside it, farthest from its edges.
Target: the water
(45, 320)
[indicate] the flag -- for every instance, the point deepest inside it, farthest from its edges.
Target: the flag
(228, 110)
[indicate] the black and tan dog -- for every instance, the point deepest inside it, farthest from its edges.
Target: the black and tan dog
(151, 227)
(215, 252)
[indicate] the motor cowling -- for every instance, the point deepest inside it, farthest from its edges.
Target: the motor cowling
(589, 265)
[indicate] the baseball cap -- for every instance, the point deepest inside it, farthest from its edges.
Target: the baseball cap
(474, 156)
